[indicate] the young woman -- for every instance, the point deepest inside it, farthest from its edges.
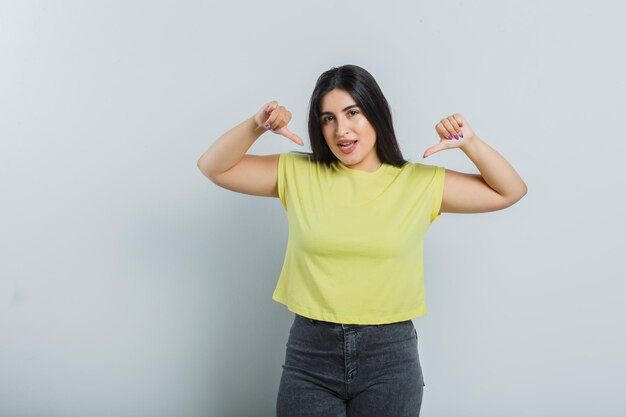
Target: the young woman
(358, 213)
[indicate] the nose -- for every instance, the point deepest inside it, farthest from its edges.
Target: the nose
(341, 129)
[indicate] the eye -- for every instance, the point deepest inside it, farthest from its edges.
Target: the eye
(327, 119)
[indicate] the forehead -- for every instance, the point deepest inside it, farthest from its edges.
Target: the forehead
(335, 100)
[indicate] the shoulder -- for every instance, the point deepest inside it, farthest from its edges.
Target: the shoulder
(423, 176)
(424, 170)
(296, 157)
(303, 161)
(418, 166)
(295, 162)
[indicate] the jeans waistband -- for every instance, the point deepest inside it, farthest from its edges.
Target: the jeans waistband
(344, 325)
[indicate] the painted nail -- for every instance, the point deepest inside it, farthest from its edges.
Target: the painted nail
(267, 125)
(449, 136)
(456, 136)
(461, 134)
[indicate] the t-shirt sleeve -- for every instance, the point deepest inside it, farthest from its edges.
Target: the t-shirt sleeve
(293, 170)
(284, 161)
(430, 179)
(437, 184)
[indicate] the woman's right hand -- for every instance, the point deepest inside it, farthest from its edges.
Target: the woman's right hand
(275, 118)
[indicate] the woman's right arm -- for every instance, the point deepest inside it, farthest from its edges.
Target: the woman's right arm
(226, 163)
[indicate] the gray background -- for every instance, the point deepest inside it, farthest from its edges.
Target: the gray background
(133, 286)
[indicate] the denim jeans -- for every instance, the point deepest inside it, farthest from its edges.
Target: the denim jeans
(350, 370)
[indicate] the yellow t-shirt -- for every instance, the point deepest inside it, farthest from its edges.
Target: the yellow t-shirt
(355, 245)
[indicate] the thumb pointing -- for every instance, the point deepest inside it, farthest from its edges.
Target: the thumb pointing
(291, 136)
(432, 150)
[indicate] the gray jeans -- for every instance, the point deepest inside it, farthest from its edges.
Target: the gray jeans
(350, 370)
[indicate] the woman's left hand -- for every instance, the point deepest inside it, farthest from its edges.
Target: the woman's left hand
(453, 131)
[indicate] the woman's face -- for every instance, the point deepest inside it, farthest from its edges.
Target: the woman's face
(343, 121)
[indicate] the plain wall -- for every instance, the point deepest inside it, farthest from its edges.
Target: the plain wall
(130, 285)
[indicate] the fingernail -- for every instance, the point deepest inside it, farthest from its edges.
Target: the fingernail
(449, 136)
(461, 134)
(456, 136)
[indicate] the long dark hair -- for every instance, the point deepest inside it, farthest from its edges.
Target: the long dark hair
(365, 91)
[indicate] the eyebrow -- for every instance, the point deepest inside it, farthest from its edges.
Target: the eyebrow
(347, 108)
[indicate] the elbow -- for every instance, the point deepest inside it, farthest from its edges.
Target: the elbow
(199, 165)
(203, 169)
(519, 195)
(524, 190)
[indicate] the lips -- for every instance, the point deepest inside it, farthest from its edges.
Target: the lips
(348, 148)
(343, 141)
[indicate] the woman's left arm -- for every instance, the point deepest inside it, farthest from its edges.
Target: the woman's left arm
(496, 187)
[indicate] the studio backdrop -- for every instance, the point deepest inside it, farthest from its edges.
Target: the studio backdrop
(131, 285)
